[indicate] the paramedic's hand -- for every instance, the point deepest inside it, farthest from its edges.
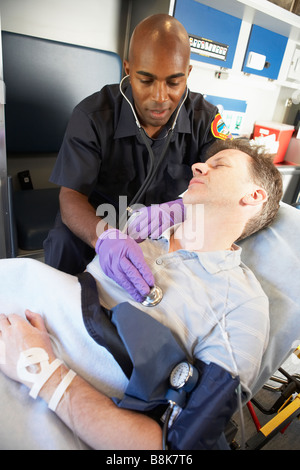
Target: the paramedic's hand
(152, 221)
(122, 260)
(17, 335)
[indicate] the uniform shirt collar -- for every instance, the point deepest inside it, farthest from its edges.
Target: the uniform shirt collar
(183, 122)
(127, 127)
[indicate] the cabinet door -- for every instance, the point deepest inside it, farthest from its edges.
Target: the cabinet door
(213, 34)
(264, 53)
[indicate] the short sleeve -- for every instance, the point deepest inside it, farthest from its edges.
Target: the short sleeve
(79, 159)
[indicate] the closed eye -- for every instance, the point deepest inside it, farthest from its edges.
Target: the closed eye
(218, 163)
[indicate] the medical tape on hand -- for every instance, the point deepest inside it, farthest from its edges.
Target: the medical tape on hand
(32, 357)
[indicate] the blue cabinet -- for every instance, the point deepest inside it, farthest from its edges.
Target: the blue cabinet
(213, 34)
(266, 48)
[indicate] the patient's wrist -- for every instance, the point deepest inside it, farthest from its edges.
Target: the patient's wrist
(52, 383)
(54, 389)
(47, 378)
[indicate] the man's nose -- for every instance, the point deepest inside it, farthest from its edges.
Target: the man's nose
(199, 167)
(160, 92)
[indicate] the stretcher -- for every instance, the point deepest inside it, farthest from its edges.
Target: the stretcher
(274, 256)
(284, 410)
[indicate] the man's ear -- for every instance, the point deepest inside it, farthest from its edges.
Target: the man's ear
(126, 67)
(258, 196)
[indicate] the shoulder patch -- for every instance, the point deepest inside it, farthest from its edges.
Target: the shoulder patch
(219, 129)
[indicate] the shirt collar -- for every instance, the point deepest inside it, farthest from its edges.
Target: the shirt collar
(213, 261)
(217, 261)
(127, 127)
(183, 122)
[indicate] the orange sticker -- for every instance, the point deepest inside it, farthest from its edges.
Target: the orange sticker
(219, 129)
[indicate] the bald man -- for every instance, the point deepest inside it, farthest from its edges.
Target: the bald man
(103, 156)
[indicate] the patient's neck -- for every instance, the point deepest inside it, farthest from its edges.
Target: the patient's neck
(206, 230)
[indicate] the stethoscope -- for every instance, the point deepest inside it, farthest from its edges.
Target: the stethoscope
(155, 294)
(153, 168)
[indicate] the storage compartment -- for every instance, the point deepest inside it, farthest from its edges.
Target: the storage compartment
(292, 155)
(281, 132)
(264, 53)
(213, 33)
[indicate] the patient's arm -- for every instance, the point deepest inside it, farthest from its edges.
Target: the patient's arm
(90, 414)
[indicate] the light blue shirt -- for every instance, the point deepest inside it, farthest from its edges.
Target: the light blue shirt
(212, 303)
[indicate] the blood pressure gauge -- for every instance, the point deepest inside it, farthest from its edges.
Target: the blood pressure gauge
(183, 379)
(184, 376)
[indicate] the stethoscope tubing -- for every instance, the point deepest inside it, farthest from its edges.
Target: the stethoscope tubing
(152, 167)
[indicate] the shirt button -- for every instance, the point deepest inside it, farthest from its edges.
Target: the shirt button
(159, 261)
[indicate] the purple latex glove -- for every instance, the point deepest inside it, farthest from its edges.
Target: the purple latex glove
(152, 221)
(122, 260)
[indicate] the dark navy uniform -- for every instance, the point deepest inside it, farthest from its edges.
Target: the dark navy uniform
(104, 157)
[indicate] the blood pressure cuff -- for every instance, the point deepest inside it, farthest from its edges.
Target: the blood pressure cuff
(147, 352)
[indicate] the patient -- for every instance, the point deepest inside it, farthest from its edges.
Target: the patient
(212, 303)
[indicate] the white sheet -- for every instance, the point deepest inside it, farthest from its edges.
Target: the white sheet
(273, 255)
(27, 283)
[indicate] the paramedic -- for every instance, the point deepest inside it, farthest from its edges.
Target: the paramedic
(250, 196)
(103, 157)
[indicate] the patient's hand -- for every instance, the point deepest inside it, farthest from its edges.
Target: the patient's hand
(17, 335)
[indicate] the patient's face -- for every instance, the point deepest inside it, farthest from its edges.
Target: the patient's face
(222, 180)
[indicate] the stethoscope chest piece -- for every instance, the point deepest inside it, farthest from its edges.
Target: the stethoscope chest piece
(154, 297)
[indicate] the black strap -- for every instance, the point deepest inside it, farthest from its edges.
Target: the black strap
(97, 321)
